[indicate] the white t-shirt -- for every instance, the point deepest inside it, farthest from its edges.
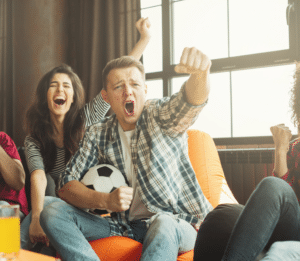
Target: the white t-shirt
(137, 208)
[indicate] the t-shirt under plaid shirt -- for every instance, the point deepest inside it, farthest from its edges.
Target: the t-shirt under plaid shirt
(166, 181)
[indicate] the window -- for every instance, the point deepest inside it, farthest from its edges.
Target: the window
(252, 44)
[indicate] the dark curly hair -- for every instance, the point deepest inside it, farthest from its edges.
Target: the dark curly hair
(38, 124)
(295, 98)
(295, 106)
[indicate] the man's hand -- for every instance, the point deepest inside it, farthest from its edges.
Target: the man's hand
(119, 200)
(198, 65)
(193, 61)
(143, 25)
(281, 136)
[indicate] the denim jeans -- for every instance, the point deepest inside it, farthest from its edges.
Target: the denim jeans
(69, 229)
(167, 237)
(271, 214)
(25, 240)
(2, 202)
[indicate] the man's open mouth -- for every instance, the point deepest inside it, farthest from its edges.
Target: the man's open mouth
(59, 101)
(129, 107)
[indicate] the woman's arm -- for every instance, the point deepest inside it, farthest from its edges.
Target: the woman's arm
(143, 26)
(281, 136)
(38, 182)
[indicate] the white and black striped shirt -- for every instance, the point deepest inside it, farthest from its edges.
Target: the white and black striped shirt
(94, 111)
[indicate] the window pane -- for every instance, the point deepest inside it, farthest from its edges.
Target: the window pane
(215, 116)
(154, 89)
(149, 3)
(202, 24)
(152, 56)
(257, 26)
(261, 100)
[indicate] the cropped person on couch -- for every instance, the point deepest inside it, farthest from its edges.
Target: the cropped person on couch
(12, 175)
(55, 124)
(272, 213)
(147, 142)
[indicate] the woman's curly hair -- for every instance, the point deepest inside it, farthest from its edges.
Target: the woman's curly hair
(295, 106)
(295, 98)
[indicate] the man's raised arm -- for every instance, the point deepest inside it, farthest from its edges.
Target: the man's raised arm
(197, 64)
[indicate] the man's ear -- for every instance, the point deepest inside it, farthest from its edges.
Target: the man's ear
(104, 95)
(146, 89)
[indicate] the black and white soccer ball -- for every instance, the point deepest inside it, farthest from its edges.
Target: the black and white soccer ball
(103, 178)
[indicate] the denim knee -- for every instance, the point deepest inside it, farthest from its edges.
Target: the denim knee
(55, 209)
(283, 250)
(165, 221)
(4, 203)
(271, 184)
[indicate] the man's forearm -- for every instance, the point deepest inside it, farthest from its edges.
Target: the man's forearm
(197, 88)
(12, 171)
(78, 195)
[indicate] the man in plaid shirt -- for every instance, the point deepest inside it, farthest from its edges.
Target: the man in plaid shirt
(146, 140)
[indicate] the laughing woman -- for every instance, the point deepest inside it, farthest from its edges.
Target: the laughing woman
(55, 123)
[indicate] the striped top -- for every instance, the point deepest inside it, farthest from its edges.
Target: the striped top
(94, 111)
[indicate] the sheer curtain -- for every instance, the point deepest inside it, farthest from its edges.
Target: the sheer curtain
(36, 35)
(98, 32)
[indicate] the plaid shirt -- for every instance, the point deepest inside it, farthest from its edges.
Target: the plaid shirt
(166, 181)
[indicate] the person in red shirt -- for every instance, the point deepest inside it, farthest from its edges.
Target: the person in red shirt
(12, 176)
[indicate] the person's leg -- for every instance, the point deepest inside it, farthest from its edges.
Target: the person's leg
(69, 229)
(5, 211)
(283, 250)
(272, 212)
(4, 203)
(25, 241)
(215, 232)
(166, 237)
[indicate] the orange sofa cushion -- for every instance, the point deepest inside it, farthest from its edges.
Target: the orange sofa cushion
(206, 163)
(207, 166)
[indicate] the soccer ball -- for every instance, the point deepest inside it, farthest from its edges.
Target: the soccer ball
(103, 178)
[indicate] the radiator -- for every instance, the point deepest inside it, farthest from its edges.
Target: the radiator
(245, 168)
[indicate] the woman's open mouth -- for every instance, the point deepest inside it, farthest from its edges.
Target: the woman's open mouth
(59, 101)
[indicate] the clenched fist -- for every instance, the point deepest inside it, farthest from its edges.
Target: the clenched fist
(193, 61)
(143, 25)
(119, 200)
(281, 136)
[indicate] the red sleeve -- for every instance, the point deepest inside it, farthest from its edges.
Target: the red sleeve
(9, 146)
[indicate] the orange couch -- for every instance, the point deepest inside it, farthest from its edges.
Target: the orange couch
(206, 163)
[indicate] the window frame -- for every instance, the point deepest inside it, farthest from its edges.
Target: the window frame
(230, 64)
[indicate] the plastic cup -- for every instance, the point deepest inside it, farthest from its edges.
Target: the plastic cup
(9, 232)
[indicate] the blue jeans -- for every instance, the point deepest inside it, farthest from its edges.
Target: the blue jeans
(2, 202)
(25, 240)
(271, 214)
(69, 229)
(167, 237)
